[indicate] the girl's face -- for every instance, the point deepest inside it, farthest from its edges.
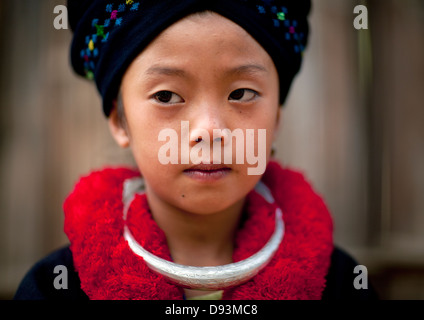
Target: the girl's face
(204, 72)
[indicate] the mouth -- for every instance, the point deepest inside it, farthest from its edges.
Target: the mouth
(207, 172)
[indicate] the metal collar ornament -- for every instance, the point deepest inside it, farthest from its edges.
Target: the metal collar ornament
(205, 278)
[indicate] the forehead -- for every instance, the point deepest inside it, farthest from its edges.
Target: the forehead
(202, 38)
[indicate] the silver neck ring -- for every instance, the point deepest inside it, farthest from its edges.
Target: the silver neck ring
(205, 278)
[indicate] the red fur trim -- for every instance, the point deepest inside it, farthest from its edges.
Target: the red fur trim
(108, 269)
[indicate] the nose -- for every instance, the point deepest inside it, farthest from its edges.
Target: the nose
(207, 125)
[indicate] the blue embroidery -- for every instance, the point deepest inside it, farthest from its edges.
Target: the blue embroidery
(135, 6)
(105, 37)
(261, 9)
(109, 8)
(121, 8)
(118, 22)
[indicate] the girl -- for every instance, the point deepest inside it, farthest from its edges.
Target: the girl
(198, 218)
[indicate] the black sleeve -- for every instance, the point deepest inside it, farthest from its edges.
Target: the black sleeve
(38, 283)
(340, 280)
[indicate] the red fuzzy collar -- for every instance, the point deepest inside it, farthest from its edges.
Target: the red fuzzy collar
(108, 269)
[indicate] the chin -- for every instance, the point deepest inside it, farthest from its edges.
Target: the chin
(207, 205)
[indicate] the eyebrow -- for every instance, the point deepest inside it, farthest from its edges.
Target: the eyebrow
(166, 71)
(251, 69)
(248, 69)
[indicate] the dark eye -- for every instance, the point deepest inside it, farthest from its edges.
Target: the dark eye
(167, 97)
(243, 95)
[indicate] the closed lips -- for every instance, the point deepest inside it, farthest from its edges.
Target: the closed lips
(208, 168)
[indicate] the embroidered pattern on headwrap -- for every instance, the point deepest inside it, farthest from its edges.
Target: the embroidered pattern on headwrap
(114, 18)
(280, 18)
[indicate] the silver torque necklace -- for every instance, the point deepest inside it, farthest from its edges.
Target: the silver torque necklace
(205, 278)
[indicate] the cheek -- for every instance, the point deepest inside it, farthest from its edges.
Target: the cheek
(266, 119)
(143, 133)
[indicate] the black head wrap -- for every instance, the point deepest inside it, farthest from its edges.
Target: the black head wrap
(109, 34)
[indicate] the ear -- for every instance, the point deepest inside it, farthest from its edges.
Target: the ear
(119, 133)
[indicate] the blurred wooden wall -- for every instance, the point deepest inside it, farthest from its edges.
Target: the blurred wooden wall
(354, 123)
(52, 132)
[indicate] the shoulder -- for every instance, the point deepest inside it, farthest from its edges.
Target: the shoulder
(39, 282)
(340, 279)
